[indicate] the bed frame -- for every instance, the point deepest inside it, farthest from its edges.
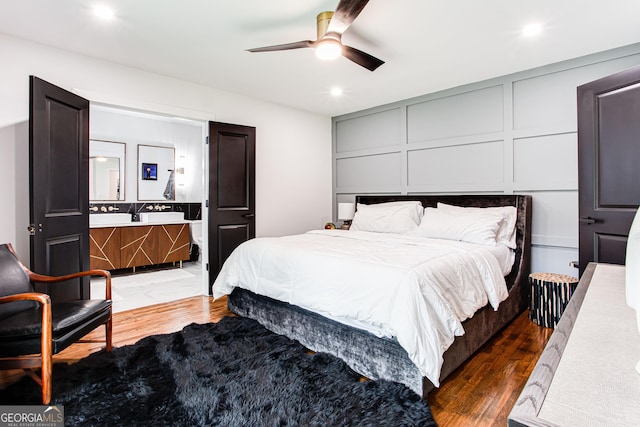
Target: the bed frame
(384, 358)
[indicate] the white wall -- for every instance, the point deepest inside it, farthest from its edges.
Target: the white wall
(134, 128)
(293, 147)
(512, 134)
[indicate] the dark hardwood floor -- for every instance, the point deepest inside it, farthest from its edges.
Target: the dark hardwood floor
(480, 393)
(483, 390)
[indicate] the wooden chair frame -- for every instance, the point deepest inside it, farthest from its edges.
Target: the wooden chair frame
(44, 360)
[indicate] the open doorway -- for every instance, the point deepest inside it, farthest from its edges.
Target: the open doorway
(172, 193)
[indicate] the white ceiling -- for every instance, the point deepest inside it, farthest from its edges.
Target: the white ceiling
(427, 45)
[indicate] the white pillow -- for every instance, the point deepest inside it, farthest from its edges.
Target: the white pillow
(416, 205)
(475, 228)
(391, 217)
(507, 230)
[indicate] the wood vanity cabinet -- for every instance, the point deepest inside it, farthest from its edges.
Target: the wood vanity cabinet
(104, 248)
(174, 242)
(135, 246)
(138, 246)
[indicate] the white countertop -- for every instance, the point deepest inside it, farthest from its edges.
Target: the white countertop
(595, 383)
(140, 223)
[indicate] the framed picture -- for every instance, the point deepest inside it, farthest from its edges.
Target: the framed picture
(150, 171)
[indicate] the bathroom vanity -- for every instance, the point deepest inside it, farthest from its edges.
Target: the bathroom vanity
(116, 243)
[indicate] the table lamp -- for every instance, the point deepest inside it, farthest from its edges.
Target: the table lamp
(346, 211)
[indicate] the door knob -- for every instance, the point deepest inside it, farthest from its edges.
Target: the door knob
(249, 215)
(588, 221)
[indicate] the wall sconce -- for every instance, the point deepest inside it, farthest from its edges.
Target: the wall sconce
(346, 212)
(180, 178)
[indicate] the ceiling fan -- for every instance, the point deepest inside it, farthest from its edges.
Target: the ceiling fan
(330, 26)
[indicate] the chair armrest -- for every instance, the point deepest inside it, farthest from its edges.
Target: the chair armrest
(46, 326)
(35, 277)
(43, 299)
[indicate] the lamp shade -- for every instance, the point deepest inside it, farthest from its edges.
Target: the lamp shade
(346, 211)
(632, 270)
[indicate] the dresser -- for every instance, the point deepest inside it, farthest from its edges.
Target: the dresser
(586, 374)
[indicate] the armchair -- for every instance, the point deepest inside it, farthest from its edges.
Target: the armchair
(33, 329)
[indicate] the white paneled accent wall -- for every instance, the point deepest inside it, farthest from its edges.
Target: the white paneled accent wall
(513, 134)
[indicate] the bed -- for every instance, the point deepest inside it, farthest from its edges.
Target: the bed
(371, 351)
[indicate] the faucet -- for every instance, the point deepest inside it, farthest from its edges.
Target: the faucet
(112, 208)
(94, 208)
(103, 208)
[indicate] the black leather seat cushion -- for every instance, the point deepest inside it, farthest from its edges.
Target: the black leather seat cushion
(20, 333)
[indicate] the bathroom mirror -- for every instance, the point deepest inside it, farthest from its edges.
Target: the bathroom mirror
(156, 173)
(106, 170)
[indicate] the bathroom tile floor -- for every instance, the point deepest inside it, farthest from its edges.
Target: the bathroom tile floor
(143, 288)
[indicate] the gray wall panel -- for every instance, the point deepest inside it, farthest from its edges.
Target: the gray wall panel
(515, 133)
(549, 100)
(457, 165)
(555, 218)
(475, 112)
(380, 129)
(368, 171)
(548, 162)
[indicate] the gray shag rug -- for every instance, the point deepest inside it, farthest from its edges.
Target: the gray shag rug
(231, 373)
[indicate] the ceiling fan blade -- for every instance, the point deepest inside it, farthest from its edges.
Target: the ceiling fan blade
(361, 58)
(346, 12)
(286, 46)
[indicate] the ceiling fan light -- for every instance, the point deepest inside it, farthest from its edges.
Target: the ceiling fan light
(328, 49)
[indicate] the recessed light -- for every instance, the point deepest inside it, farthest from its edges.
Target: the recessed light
(531, 30)
(103, 12)
(336, 91)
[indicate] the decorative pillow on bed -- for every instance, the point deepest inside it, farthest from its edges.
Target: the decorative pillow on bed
(391, 217)
(507, 230)
(470, 227)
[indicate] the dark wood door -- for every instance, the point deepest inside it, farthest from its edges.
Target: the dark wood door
(609, 165)
(232, 158)
(59, 186)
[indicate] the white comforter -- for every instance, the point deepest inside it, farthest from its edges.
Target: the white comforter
(415, 289)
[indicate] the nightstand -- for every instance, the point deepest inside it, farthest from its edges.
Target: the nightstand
(550, 294)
